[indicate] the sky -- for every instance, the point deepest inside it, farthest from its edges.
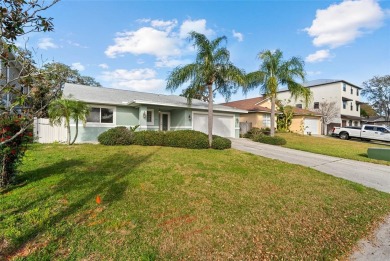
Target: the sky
(135, 44)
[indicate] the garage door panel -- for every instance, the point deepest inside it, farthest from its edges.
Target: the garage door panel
(311, 125)
(223, 125)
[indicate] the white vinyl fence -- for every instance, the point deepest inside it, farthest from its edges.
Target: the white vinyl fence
(45, 133)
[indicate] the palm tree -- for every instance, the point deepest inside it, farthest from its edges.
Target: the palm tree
(67, 109)
(275, 71)
(211, 73)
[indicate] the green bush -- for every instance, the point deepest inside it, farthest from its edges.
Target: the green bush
(256, 131)
(149, 138)
(116, 136)
(220, 143)
(186, 139)
(276, 140)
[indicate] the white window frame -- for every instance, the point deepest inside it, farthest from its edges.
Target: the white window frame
(152, 117)
(267, 120)
(99, 124)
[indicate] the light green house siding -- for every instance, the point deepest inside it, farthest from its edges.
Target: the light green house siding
(127, 116)
(181, 119)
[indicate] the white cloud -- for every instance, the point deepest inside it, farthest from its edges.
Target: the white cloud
(76, 44)
(103, 66)
(238, 36)
(198, 26)
(170, 63)
(78, 66)
(318, 56)
(342, 23)
(146, 40)
(46, 43)
(138, 79)
(313, 72)
(166, 25)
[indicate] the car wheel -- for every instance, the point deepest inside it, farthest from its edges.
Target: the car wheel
(344, 136)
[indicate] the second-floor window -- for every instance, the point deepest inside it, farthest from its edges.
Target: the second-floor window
(344, 87)
(344, 104)
(351, 90)
(298, 106)
(357, 107)
(357, 92)
(351, 106)
(316, 105)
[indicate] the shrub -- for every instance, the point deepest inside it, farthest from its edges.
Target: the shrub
(186, 139)
(149, 138)
(11, 153)
(220, 143)
(276, 140)
(256, 131)
(116, 136)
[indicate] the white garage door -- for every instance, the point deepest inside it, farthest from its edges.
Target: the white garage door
(223, 125)
(311, 125)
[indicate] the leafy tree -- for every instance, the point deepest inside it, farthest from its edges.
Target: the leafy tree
(275, 71)
(211, 73)
(67, 109)
(377, 90)
(284, 119)
(58, 74)
(367, 111)
(328, 111)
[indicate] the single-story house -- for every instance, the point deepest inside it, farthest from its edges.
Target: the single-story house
(259, 115)
(115, 107)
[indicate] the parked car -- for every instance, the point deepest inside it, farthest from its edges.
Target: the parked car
(365, 132)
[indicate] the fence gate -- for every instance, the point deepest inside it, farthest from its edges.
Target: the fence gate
(45, 133)
(245, 127)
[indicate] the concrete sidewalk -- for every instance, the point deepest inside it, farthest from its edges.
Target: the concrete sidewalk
(368, 174)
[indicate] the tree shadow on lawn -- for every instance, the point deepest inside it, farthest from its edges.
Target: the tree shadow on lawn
(111, 184)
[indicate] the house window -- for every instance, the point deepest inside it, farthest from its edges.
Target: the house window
(316, 105)
(344, 104)
(298, 106)
(357, 107)
(351, 106)
(267, 120)
(150, 117)
(350, 123)
(344, 87)
(101, 115)
(357, 92)
(351, 90)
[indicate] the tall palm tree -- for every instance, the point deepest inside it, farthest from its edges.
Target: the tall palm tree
(211, 73)
(275, 71)
(67, 109)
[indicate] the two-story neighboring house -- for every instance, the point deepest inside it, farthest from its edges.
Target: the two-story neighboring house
(10, 74)
(345, 95)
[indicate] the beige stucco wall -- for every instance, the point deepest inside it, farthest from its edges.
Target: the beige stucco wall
(255, 117)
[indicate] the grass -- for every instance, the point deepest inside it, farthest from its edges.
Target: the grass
(332, 146)
(173, 204)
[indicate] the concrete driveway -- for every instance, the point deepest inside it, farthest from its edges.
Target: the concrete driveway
(368, 174)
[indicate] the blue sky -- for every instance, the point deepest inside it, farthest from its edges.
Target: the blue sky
(135, 44)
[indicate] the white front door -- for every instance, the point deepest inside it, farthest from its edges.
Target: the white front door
(165, 124)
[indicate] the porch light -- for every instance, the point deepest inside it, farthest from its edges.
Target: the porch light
(144, 114)
(189, 117)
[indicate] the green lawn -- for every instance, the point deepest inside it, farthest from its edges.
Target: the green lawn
(332, 146)
(174, 204)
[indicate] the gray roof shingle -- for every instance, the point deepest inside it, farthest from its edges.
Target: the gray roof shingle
(102, 95)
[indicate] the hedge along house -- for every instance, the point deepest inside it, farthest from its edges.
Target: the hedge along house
(115, 107)
(259, 116)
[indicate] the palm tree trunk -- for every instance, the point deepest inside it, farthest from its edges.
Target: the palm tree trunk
(210, 118)
(68, 129)
(273, 100)
(77, 132)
